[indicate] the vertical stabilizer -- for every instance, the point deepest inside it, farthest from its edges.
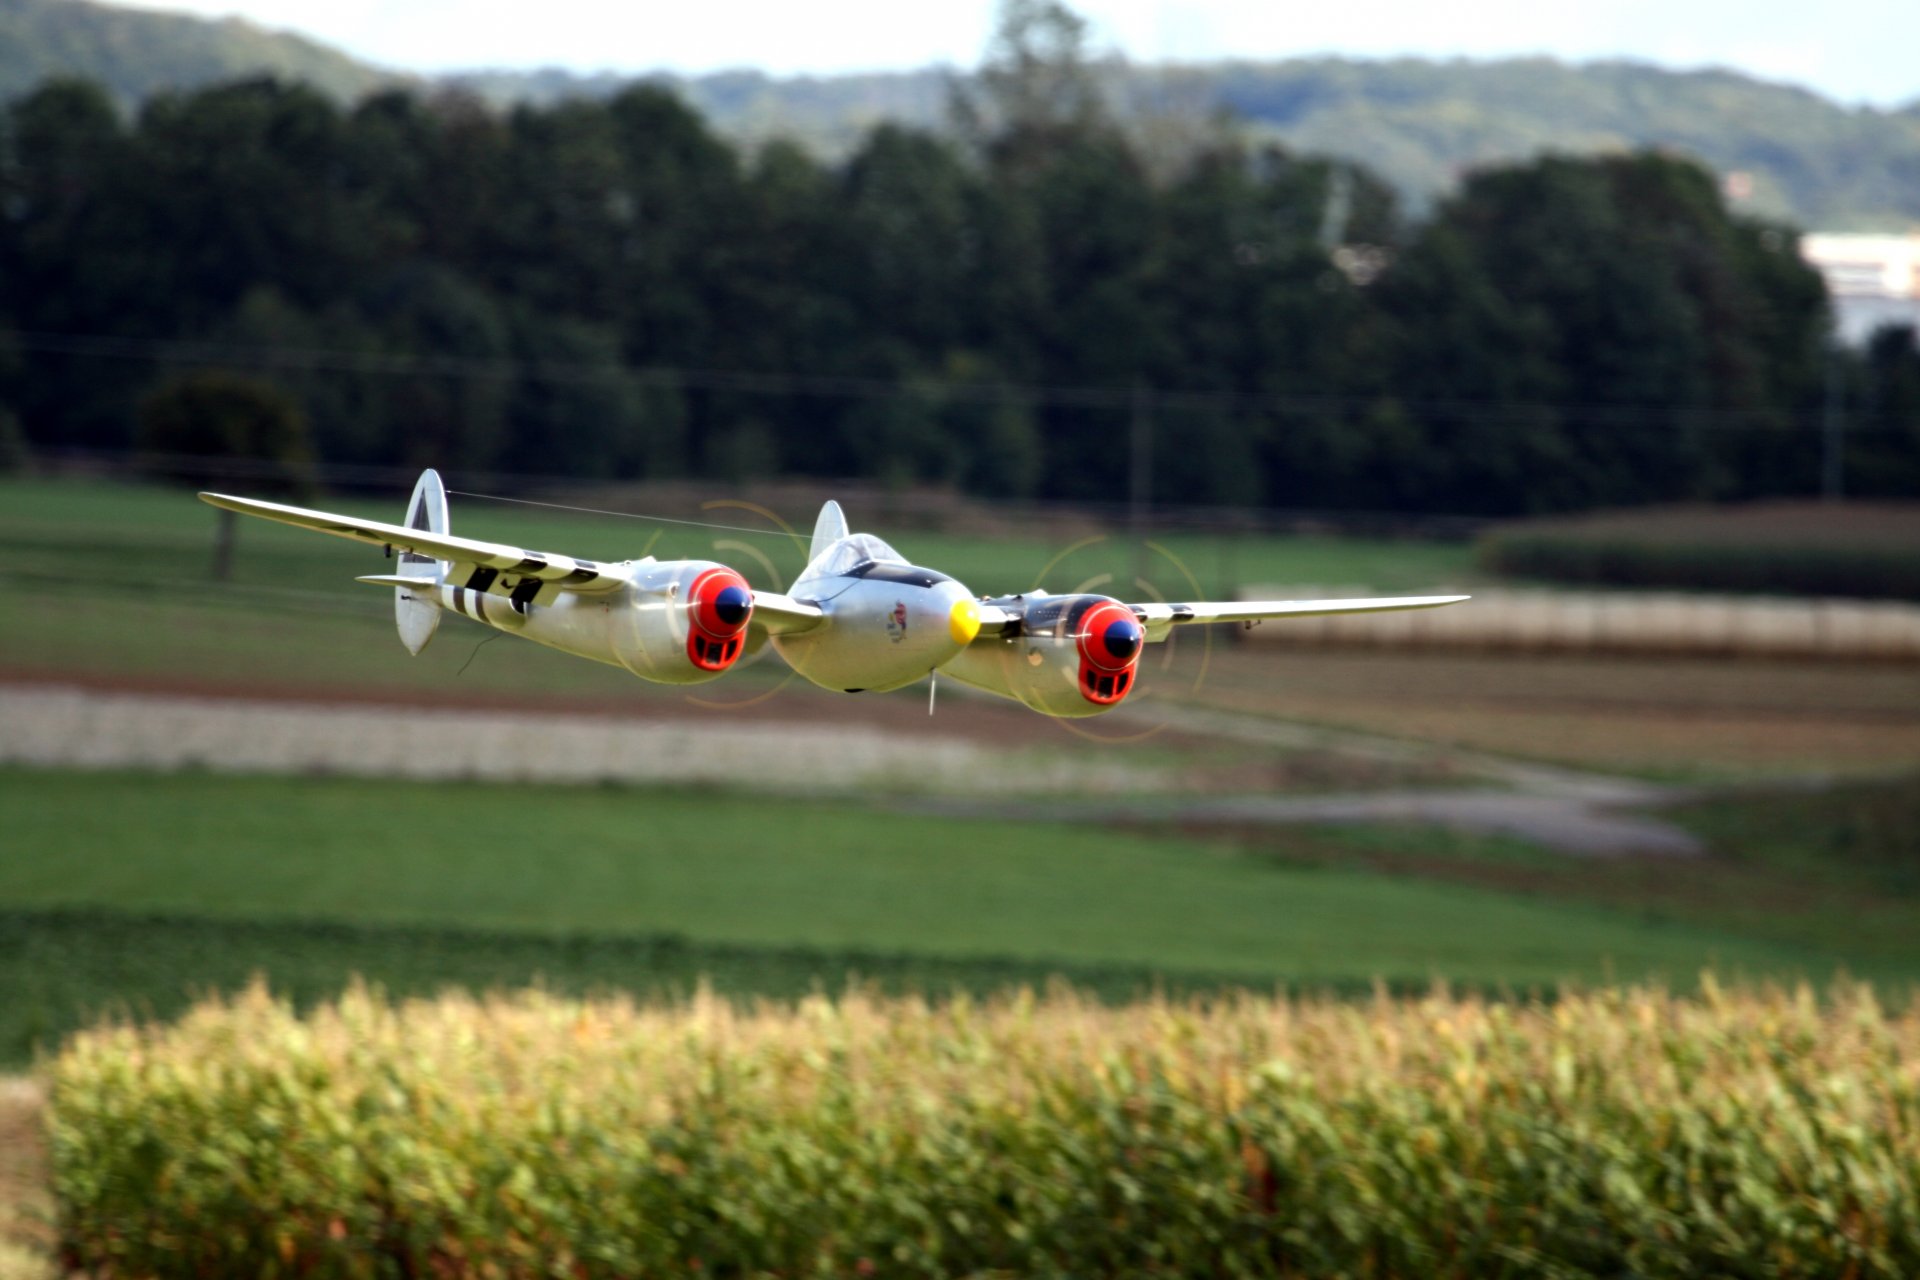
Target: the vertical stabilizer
(827, 530)
(418, 616)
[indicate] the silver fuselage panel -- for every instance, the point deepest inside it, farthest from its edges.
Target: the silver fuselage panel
(888, 625)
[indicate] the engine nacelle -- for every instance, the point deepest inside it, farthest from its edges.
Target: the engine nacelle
(1072, 656)
(683, 622)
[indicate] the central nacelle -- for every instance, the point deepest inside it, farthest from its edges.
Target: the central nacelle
(1072, 655)
(888, 626)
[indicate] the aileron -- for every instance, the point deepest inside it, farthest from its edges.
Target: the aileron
(570, 574)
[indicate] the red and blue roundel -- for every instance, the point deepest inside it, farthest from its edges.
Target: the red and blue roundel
(1111, 639)
(719, 605)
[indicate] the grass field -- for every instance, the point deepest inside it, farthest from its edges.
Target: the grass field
(1835, 871)
(1691, 720)
(136, 889)
(136, 892)
(780, 895)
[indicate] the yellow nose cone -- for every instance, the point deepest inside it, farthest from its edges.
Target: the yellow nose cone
(963, 621)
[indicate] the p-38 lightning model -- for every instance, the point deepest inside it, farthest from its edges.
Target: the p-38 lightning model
(859, 617)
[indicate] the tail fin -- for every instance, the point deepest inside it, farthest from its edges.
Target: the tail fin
(418, 617)
(827, 530)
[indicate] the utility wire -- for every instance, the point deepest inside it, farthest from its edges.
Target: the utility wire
(746, 382)
(624, 515)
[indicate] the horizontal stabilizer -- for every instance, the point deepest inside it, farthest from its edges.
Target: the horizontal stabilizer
(398, 580)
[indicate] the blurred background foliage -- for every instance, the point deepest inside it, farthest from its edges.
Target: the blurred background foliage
(1009, 303)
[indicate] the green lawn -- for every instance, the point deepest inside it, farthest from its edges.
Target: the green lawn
(134, 890)
(753, 871)
(1827, 870)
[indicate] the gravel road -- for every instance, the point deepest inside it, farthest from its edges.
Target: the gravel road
(98, 729)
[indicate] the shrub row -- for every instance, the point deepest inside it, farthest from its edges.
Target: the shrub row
(1632, 1132)
(1614, 559)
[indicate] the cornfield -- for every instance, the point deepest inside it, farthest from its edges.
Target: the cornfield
(1630, 1131)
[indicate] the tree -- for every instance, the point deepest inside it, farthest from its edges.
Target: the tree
(213, 425)
(909, 206)
(15, 453)
(1883, 457)
(446, 392)
(577, 409)
(247, 186)
(1567, 331)
(1037, 87)
(74, 260)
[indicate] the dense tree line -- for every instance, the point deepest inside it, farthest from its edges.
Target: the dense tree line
(608, 289)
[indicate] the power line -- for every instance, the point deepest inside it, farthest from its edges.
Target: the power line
(838, 386)
(624, 515)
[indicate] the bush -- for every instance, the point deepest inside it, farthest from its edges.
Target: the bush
(1629, 1132)
(1816, 571)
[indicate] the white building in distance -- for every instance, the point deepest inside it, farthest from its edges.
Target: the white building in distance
(1874, 280)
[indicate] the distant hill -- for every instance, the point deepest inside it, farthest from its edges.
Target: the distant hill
(1420, 123)
(136, 53)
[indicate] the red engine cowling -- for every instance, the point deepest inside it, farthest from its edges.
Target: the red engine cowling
(681, 622)
(1072, 656)
(719, 603)
(1109, 639)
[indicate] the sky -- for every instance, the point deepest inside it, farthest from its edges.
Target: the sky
(1855, 51)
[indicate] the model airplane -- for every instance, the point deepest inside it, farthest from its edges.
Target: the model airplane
(859, 617)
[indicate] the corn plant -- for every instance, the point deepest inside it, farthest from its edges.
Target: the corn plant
(1627, 1132)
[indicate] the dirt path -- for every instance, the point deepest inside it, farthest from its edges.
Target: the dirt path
(1584, 814)
(70, 727)
(1565, 824)
(25, 1206)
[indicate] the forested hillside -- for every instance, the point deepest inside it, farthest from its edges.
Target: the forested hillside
(134, 53)
(1424, 123)
(613, 289)
(1418, 124)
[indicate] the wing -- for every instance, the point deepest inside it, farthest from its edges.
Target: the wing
(1159, 620)
(568, 573)
(783, 615)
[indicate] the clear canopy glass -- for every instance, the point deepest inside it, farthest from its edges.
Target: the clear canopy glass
(848, 554)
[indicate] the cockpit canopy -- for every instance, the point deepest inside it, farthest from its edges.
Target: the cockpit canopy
(849, 553)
